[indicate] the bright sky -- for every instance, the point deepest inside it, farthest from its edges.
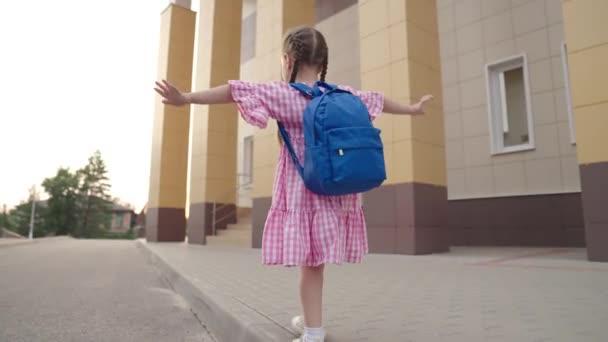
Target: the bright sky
(77, 76)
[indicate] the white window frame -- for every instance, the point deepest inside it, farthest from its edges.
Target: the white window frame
(564, 49)
(497, 103)
(248, 160)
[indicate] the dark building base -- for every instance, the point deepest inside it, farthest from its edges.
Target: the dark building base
(594, 183)
(200, 222)
(165, 224)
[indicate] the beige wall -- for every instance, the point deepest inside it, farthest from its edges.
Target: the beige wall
(341, 31)
(381, 45)
(400, 57)
(245, 130)
(169, 160)
(214, 133)
(342, 34)
(268, 36)
(274, 17)
(587, 34)
(472, 34)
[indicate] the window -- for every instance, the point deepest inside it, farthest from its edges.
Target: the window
(509, 105)
(248, 160)
(248, 32)
(568, 94)
(118, 220)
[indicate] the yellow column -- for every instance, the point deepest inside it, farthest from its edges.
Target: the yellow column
(586, 32)
(167, 195)
(400, 56)
(214, 141)
(274, 18)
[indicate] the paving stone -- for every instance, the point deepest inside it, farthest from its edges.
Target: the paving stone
(469, 294)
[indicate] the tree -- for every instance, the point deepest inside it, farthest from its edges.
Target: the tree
(61, 214)
(4, 221)
(20, 217)
(94, 199)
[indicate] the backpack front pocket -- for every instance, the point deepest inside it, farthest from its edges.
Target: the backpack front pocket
(356, 155)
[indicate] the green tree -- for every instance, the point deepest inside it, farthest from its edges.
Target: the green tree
(21, 215)
(4, 221)
(61, 214)
(94, 199)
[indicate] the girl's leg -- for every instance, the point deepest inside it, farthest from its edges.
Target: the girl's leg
(311, 294)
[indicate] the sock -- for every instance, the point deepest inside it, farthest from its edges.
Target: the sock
(316, 333)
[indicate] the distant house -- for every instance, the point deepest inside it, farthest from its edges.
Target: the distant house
(140, 222)
(123, 218)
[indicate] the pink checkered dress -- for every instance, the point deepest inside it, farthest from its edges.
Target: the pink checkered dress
(302, 228)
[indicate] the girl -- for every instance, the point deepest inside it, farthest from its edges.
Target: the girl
(302, 228)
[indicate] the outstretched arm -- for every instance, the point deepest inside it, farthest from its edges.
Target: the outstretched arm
(393, 107)
(171, 95)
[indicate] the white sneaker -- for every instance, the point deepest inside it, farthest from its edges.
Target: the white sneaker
(297, 323)
(308, 339)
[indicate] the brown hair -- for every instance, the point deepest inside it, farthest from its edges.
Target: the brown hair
(308, 47)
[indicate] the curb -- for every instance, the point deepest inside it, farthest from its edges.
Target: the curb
(14, 242)
(227, 318)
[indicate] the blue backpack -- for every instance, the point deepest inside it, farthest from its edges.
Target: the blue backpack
(343, 152)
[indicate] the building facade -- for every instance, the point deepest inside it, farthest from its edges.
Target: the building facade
(122, 218)
(513, 176)
(509, 153)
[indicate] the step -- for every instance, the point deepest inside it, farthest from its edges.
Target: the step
(244, 219)
(243, 212)
(229, 241)
(239, 226)
(243, 215)
(241, 233)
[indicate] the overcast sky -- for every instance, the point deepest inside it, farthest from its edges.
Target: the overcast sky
(75, 77)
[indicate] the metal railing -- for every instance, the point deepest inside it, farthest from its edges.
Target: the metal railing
(216, 208)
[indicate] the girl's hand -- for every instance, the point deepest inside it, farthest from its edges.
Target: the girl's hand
(171, 95)
(419, 107)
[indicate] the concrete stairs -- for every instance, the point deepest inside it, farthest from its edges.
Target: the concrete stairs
(235, 235)
(5, 233)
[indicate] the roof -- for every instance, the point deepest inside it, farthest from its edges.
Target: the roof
(119, 207)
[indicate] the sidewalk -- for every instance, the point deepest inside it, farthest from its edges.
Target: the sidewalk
(4, 242)
(469, 294)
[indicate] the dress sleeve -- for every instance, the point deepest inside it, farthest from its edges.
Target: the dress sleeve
(253, 100)
(373, 100)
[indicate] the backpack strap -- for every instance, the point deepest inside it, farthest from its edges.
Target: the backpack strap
(311, 93)
(306, 90)
(292, 152)
(325, 85)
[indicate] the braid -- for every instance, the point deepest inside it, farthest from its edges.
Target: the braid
(297, 55)
(324, 71)
(307, 47)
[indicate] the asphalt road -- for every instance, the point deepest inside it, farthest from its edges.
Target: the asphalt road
(89, 290)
